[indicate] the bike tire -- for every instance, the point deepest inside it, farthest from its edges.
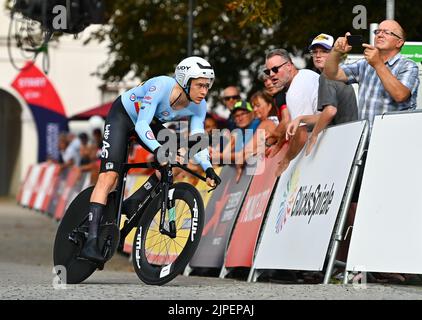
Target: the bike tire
(150, 265)
(66, 253)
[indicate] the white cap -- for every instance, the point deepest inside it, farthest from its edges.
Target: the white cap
(323, 40)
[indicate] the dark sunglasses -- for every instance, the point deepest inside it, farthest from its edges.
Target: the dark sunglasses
(227, 98)
(274, 69)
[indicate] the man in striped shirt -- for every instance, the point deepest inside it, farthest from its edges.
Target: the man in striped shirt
(387, 80)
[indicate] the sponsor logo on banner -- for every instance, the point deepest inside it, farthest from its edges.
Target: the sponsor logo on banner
(152, 89)
(303, 201)
(150, 135)
(287, 201)
(252, 206)
(132, 97)
(313, 200)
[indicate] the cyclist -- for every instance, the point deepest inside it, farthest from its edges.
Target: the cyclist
(143, 109)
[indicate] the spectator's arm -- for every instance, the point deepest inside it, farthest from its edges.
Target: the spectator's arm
(332, 69)
(310, 119)
(324, 119)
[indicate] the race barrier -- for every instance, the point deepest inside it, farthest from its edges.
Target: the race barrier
(44, 191)
(306, 203)
(220, 216)
(295, 221)
(387, 233)
(245, 236)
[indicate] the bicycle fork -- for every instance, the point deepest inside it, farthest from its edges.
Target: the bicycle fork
(168, 203)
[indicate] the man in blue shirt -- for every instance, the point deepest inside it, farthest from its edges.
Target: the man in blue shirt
(387, 80)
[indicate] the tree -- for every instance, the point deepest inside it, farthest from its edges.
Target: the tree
(148, 37)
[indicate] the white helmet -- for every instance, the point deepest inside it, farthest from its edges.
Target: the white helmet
(192, 68)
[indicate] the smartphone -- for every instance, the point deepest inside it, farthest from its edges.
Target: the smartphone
(355, 40)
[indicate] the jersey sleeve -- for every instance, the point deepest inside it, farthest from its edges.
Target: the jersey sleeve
(148, 107)
(197, 126)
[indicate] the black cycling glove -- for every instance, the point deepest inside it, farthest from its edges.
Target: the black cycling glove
(210, 173)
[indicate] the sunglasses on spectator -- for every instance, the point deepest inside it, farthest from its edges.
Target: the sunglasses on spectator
(227, 98)
(274, 69)
(387, 32)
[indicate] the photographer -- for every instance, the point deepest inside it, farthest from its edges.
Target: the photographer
(387, 80)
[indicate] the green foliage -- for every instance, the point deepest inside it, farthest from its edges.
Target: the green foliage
(149, 37)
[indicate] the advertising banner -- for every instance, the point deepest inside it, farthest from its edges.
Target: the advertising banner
(221, 213)
(306, 202)
(387, 233)
(245, 234)
(46, 107)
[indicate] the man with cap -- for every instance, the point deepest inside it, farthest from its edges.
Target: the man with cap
(336, 100)
(246, 126)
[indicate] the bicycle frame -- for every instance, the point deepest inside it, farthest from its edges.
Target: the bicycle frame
(164, 185)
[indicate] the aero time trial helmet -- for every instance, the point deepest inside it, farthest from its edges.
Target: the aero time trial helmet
(192, 68)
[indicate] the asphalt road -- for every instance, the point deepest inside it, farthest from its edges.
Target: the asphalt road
(26, 240)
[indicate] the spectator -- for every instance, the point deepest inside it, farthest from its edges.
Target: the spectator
(265, 112)
(301, 87)
(210, 123)
(97, 135)
(387, 80)
(246, 126)
(279, 97)
(230, 96)
(88, 155)
(337, 103)
(69, 146)
(336, 100)
(85, 149)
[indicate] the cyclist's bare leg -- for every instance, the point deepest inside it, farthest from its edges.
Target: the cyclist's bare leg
(106, 182)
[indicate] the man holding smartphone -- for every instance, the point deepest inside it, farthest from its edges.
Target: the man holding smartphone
(387, 80)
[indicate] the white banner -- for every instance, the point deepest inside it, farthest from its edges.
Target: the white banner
(387, 232)
(306, 203)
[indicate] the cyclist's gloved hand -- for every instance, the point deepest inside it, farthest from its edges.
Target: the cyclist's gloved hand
(210, 173)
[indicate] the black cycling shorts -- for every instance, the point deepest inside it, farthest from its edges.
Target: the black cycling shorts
(118, 129)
